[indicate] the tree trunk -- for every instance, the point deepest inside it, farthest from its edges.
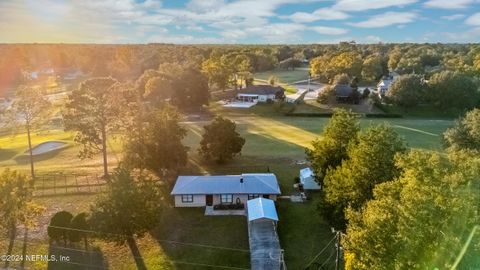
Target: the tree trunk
(13, 234)
(32, 169)
(104, 152)
(136, 253)
(24, 247)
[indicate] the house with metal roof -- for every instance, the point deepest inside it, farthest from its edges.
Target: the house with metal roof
(260, 93)
(261, 209)
(385, 83)
(307, 179)
(200, 191)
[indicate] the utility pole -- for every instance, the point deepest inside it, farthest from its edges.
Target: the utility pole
(337, 260)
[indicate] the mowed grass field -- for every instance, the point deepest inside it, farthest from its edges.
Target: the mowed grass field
(271, 141)
(285, 76)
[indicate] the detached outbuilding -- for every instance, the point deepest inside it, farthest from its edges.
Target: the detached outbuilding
(307, 179)
(261, 209)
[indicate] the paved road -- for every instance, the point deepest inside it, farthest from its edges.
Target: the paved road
(265, 251)
(314, 87)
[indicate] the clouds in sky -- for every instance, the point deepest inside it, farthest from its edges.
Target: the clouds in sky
(230, 21)
(387, 19)
(450, 4)
(473, 20)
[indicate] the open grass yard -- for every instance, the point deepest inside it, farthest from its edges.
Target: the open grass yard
(285, 76)
(185, 237)
(274, 143)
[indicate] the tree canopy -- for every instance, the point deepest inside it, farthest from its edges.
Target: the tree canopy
(369, 161)
(450, 89)
(465, 134)
(406, 91)
(60, 225)
(131, 207)
(30, 109)
(156, 143)
(330, 149)
(422, 219)
(93, 111)
(220, 141)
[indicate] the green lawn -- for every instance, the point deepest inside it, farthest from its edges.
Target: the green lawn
(285, 76)
(423, 111)
(272, 141)
(303, 234)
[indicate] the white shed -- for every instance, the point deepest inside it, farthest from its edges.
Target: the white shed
(261, 209)
(307, 178)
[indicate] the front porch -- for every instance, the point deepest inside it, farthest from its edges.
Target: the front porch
(209, 211)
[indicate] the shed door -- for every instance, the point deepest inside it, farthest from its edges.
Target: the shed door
(209, 200)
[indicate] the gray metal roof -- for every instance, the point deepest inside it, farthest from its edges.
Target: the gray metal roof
(262, 89)
(254, 183)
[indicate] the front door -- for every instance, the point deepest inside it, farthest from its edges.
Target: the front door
(209, 200)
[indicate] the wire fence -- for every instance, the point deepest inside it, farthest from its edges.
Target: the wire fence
(62, 184)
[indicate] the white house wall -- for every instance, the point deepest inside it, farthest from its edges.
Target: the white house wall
(198, 201)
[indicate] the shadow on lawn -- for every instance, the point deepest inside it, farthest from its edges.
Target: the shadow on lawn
(190, 239)
(6, 154)
(79, 258)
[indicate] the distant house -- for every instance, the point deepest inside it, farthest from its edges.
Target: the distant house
(199, 191)
(307, 179)
(260, 93)
(343, 92)
(384, 84)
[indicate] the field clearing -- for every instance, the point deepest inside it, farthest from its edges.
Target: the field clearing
(266, 137)
(275, 142)
(285, 76)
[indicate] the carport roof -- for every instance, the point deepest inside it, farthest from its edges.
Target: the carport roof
(261, 208)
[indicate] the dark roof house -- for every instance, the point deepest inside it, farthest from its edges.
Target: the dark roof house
(263, 89)
(342, 90)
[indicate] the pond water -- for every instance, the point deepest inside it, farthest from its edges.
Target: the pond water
(46, 147)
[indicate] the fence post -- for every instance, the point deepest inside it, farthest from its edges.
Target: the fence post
(43, 185)
(54, 184)
(76, 182)
(88, 185)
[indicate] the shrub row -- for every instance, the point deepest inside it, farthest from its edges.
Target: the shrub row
(235, 206)
(368, 115)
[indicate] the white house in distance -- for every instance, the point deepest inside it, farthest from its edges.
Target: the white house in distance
(200, 191)
(384, 84)
(260, 93)
(307, 179)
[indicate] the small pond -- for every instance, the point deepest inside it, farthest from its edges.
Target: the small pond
(47, 147)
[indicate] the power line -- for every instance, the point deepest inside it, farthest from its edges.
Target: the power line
(325, 248)
(135, 257)
(159, 240)
(328, 259)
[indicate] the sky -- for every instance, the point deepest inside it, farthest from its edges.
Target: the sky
(239, 21)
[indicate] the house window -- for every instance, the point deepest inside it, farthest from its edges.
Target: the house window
(226, 198)
(187, 198)
(253, 196)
